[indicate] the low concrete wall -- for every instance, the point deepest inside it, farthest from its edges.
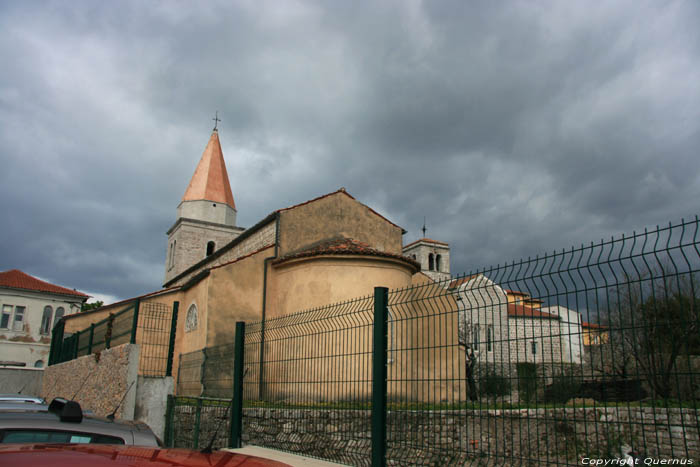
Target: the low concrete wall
(25, 380)
(98, 381)
(151, 402)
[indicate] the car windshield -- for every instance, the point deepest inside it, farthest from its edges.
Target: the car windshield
(53, 436)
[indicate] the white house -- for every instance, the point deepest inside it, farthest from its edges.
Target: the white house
(29, 308)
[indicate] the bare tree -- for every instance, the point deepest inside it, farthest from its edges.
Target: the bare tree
(652, 321)
(466, 339)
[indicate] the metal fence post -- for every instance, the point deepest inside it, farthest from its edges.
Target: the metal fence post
(76, 344)
(135, 322)
(237, 403)
(379, 373)
(56, 343)
(197, 419)
(108, 333)
(92, 334)
(169, 421)
(171, 345)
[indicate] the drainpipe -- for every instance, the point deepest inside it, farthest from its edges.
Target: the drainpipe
(261, 382)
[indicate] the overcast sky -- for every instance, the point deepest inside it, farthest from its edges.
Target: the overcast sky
(514, 127)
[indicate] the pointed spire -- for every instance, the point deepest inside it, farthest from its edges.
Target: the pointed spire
(210, 180)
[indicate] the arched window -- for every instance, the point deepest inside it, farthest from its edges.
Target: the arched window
(438, 263)
(210, 248)
(46, 320)
(39, 364)
(59, 314)
(192, 319)
(414, 257)
(431, 262)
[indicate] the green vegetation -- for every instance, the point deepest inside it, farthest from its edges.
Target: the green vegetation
(494, 385)
(527, 381)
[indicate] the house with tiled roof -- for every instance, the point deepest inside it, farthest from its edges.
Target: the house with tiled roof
(509, 326)
(29, 309)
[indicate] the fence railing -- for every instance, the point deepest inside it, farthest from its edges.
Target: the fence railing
(587, 353)
(152, 325)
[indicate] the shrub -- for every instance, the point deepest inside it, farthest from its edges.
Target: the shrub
(527, 381)
(563, 388)
(494, 385)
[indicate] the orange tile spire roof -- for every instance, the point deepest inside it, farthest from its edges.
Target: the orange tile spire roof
(210, 179)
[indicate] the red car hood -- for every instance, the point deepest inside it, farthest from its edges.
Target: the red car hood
(89, 455)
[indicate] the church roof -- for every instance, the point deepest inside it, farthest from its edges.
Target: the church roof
(343, 246)
(210, 180)
(16, 279)
(426, 240)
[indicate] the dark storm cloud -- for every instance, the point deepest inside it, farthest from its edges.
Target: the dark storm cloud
(515, 128)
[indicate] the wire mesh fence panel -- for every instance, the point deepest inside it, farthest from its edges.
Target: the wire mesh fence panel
(189, 375)
(217, 373)
(100, 335)
(122, 326)
(153, 337)
(83, 342)
(198, 422)
(592, 352)
(307, 377)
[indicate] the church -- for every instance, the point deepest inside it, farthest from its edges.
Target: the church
(326, 250)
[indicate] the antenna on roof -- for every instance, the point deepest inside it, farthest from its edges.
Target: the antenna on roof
(424, 227)
(114, 412)
(216, 120)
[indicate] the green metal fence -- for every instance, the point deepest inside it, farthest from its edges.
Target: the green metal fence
(149, 324)
(576, 355)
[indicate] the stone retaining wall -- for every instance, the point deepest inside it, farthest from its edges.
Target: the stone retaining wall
(98, 381)
(507, 437)
(561, 436)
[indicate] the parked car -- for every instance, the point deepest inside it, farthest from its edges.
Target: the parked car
(21, 398)
(64, 421)
(77, 455)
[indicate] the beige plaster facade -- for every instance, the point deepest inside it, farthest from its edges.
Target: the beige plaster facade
(27, 319)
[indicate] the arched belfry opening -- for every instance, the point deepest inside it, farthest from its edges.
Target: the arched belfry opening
(431, 262)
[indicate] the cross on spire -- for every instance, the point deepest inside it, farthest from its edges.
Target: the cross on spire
(216, 120)
(424, 227)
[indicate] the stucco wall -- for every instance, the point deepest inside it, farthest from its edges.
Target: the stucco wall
(28, 345)
(333, 216)
(20, 380)
(322, 280)
(151, 402)
(98, 381)
(235, 294)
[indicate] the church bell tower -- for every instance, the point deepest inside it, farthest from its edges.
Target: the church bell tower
(206, 215)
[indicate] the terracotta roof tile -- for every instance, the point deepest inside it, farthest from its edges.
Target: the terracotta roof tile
(522, 311)
(516, 292)
(593, 325)
(16, 279)
(457, 282)
(210, 180)
(344, 246)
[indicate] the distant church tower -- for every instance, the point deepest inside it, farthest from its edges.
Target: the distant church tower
(433, 256)
(206, 216)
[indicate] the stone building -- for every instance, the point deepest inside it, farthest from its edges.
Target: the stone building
(29, 308)
(510, 326)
